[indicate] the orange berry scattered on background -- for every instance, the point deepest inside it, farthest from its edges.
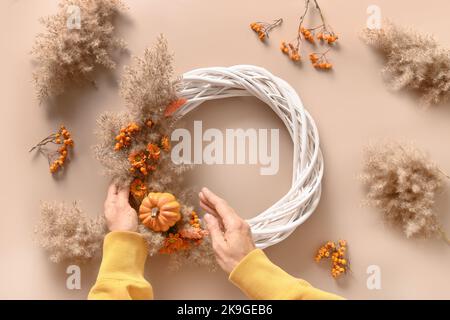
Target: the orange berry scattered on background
(339, 263)
(57, 158)
(262, 29)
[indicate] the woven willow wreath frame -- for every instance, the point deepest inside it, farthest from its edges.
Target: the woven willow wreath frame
(282, 218)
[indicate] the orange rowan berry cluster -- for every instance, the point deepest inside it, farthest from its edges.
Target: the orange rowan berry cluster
(58, 158)
(336, 254)
(292, 49)
(262, 29)
(307, 34)
(195, 220)
(123, 139)
(327, 36)
(320, 61)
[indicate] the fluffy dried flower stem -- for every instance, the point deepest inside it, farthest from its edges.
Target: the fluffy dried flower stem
(403, 183)
(66, 57)
(413, 61)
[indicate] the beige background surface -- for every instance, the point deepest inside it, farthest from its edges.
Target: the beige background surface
(351, 106)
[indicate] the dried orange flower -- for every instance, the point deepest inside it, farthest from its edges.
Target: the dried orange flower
(137, 158)
(153, 151)
(339, 263)
(138, 162)
(138, 189)
(174, 243)
(58, 158)
(262, 29)
(123, 139)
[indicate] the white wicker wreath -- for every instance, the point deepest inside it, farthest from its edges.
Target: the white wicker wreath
(282, 218)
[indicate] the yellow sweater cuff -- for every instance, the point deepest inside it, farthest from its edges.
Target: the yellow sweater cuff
(124, 255)
(259, 278)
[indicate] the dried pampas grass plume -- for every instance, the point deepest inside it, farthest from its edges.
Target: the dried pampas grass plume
(413, 61)
(68, 234)
(69, 56)
(403, 183)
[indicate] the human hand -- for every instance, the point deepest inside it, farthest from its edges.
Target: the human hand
(230, 234)
(120, 216)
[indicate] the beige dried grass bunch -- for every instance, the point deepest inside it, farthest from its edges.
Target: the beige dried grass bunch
(68, 234)
(403, 183)
(69, 56)
(413, 61)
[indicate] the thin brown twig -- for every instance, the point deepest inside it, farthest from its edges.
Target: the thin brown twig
(302, 18)
(43, 142)
(276, 23)
(320, 13)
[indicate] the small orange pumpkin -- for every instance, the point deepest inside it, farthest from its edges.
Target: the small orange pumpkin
(159, 211)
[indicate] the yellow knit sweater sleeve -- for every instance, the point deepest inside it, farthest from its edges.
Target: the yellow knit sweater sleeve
(259, 278)
(121, 274)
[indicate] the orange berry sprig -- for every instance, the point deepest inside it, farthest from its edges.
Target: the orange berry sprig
(123, 139)
(320, 61)
(324, 33)
(337, 254)
(195, 220)
(292, 49)
(339, 263)
(57, 159)
(262, 29)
